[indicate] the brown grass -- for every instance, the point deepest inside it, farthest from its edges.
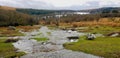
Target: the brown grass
(7, 8)
(28, 28)
(5, 32)
(114, 22)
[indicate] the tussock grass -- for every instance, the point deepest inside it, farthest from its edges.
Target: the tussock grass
(108, 47)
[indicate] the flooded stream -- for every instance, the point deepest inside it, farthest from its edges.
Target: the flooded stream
(53, 48)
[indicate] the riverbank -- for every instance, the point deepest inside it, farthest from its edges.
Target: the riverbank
(107, 47)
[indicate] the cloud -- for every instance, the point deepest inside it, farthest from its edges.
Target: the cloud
(110, 3)
(95, 4)
(26, 4)
(60, 4)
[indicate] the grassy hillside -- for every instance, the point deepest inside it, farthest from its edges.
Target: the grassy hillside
(7, 8)
(41, 12)
(106, 10)
(13, 18)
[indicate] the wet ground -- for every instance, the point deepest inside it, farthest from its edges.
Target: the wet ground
(53, 48)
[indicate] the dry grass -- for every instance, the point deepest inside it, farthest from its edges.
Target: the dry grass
(79, 24)
(114, 22)
(5, 32)
(28, 28)
(7, 8)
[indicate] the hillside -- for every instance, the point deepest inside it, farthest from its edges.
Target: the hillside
(13, 18)
(42, 12)
(104, 10)
(7, 8)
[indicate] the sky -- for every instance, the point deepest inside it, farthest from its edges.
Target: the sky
(60, 4)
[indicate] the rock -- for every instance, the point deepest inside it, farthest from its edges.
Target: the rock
(114, 34)
(69, 31)
(73, 29)
(11, 40)
(91, 36)
(73, 38)
(11, 28)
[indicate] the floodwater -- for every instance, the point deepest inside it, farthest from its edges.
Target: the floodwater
(53, 48)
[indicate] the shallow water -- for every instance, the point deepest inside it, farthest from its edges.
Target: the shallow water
(53, 48)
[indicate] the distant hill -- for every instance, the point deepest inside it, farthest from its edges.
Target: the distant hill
(46, 12)
(104, 10)
(91, 11)
(41, 12)
(7, 8)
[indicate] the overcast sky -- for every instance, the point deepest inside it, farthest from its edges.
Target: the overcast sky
(60, 4)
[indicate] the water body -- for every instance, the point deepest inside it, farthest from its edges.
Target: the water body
(53, 48)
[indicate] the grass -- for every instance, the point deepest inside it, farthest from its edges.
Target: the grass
(4, 32)
(8, 33)
(115, 22)
(28, 28)
(7, 50)
(108, 47)
(103, 29)
(100, 29)
(40, 39)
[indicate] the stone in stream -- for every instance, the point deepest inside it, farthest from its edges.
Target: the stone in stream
(73, 38)
(91, 36)
(114, 34)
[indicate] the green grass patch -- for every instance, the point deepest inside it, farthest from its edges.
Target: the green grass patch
(108, 47)
(102, 29)
(41, 39)
(7, 50)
